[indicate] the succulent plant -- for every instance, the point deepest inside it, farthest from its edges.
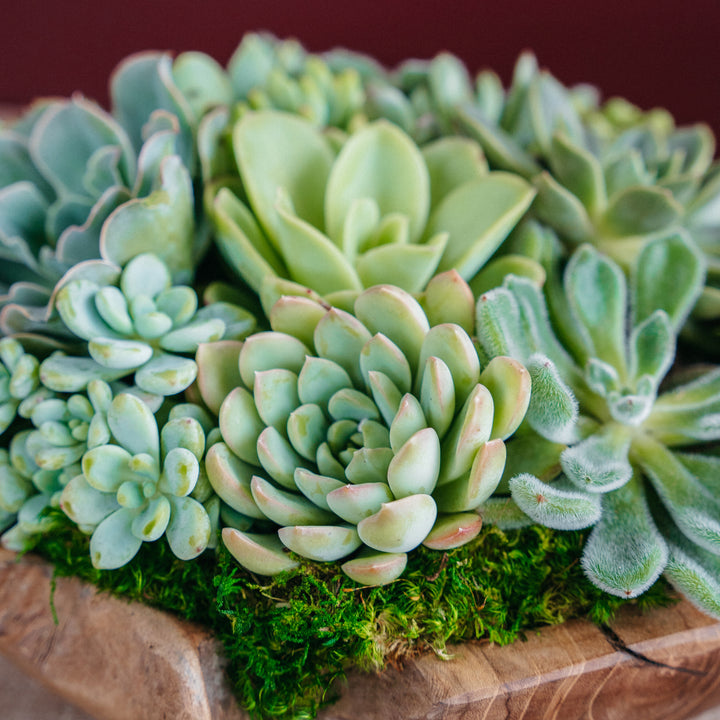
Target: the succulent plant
(19, 382)
(372, 432)
(624, 471)
(137, 322)
(141, 484)
(74, 188)
(382, 211)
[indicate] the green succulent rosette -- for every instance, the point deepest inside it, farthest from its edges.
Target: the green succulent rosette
(638, 464)
(380, 211)
(143, 483)
(137, 322)
(358, 437)
(43, 459)
(19, 382)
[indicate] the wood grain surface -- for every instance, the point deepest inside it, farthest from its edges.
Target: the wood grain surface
(118, 661)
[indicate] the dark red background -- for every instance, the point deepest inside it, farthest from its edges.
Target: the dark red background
(655, 53)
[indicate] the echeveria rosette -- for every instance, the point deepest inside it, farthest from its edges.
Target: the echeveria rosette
(362, 435)
(140, 485)
(596, 389)
(76, 189)
(381, 211)
(140, 323)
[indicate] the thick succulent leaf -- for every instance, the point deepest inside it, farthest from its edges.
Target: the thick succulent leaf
(449, 299)
(115, 354)
(478, 216)
(276, 396)
(133, 425)
(400, 525)
(316, 487)
(354, 503)
(599, 463)
(369, 465)
(668, 275)
(451, 344)
(560, 209)
(580, 172)
(297, 316)
(397, 315)
(407, 265)
(146, 274)
(597, 297)
(382, 163)
(72, 374)
(202, 81)
(416, 465)
(451, 162)
(554, 507)
(311, 258)
(625, 553)
(694, 509)
(166, 374)
(509, 384)
(149, 524)
(695, 573)
(652, 347)
(218, 372)
(278, 457)
(85, 505)
(161, 223)
(188, 532)
(306, 429)
(285, 508)
(380, 354)
(375, 568)
(325, 543)
(113, 544)
(451, 531)
(350, 404)
(241, 241)
(340, 337)
(76, 304)
(495, 272)
(230, 478)
(269, 351)
(553, 409)
(276, 150)
(241, 425)
(437, 395)
(262, 554)
(107, 467)
(320, 379)
(498, 325)
(474, 487)
(469, 432)
(531, 453)
(180, 472)
(408, 420)
(641, 211)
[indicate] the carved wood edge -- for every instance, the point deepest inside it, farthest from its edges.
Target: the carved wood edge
(120, 660)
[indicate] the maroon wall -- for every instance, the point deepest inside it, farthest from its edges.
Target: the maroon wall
(659, 52)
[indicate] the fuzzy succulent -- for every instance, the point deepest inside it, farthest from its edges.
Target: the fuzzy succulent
(359, 437)
(137, 321)
(625, 470)
(142, 483)
(381, 211)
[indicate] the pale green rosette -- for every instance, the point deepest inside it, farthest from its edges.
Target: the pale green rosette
(380, 211)
(596, 388)
(141, 485)
(138, 322)
(359, 437)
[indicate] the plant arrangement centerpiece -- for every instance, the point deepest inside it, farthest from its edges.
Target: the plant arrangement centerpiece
(348, 363)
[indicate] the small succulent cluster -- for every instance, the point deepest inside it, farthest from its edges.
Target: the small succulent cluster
(327, 312)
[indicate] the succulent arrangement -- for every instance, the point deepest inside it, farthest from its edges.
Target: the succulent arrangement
(308, 313)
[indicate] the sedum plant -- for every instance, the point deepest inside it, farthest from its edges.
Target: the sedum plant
(380, 211)
(638, 464)
(359, 437)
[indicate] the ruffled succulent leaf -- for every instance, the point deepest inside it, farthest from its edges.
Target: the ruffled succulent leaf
(625, 553)
(555, 507)
(202, 81)
(262, 554)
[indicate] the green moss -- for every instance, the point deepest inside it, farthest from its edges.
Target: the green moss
(287, 639)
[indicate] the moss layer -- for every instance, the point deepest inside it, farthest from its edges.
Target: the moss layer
(289, 638)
